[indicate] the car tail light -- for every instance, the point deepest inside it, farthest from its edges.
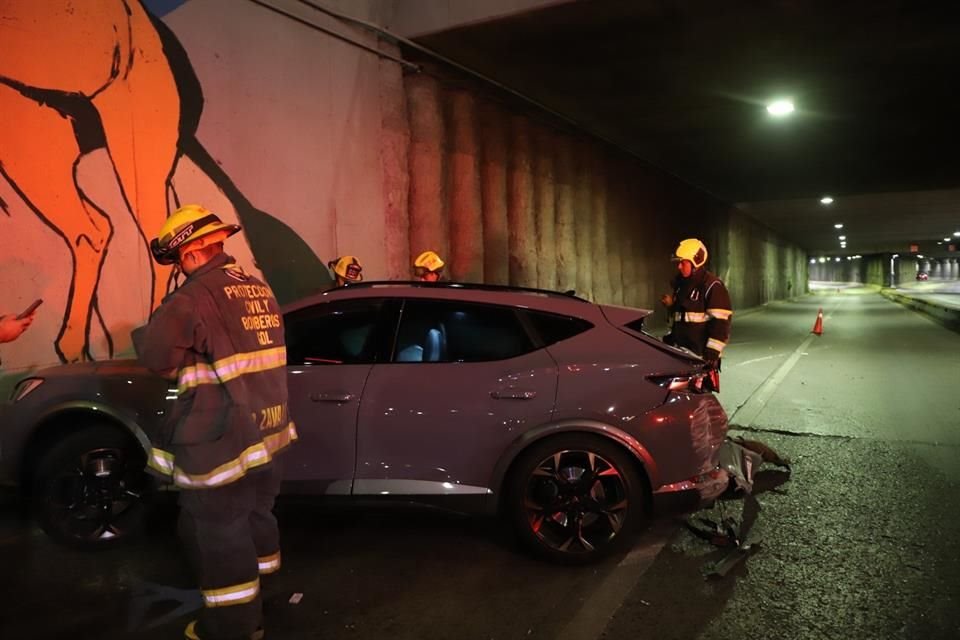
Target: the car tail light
(698, 382)
(24, 387)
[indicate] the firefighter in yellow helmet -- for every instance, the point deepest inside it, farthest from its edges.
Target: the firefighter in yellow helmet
(219, 339)
(699, 306)
(346, 270)
(428, 267)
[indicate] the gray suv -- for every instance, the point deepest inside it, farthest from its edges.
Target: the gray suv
(559, 414)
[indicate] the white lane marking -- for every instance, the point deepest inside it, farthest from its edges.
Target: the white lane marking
(776, 355)
(598, 610)
(747, 413)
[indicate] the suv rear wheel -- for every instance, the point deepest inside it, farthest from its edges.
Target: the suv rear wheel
(575, 497)
(90, 487)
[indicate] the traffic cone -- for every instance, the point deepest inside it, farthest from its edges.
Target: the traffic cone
(818, 325)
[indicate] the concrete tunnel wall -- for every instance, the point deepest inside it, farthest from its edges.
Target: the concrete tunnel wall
(514, 198)
(319, 149)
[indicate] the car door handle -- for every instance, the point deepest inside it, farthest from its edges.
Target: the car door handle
(331, 397)
(513, 394)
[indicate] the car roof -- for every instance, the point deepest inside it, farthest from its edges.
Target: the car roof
(541, 299)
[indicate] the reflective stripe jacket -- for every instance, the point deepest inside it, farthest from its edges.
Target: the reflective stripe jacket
(701, 314)
(220, 337)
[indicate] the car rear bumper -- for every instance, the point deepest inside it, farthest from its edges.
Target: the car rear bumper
(708, 486)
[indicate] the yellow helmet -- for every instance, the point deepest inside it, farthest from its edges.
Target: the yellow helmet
(348, 268)
(186, 224)
(693, 250)
(428, 260)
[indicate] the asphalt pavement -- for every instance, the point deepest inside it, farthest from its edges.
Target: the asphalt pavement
(860, 540)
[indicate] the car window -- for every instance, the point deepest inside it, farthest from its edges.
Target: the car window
(451, 331)
(553, 327)
(333, 333)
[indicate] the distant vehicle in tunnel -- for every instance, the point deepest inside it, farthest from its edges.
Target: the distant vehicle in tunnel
(560, 415)
(922, 275)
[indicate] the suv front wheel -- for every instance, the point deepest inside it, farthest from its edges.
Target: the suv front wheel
(90, 487)
(575, 497)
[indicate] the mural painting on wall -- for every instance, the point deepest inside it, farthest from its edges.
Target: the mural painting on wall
(97, 146)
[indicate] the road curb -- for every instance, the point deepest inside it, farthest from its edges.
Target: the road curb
(944, 315)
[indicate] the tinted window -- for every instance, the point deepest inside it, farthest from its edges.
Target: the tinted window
(448, 331)
(333, 333)
(553, 328)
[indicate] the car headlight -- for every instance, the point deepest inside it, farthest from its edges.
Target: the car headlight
(24, 387)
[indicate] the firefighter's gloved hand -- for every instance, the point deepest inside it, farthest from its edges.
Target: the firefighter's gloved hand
(713, 359)
(667, 300)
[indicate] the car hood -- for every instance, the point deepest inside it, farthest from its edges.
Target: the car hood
(105, 367)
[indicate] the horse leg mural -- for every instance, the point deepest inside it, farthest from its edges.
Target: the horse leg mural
(58, 60)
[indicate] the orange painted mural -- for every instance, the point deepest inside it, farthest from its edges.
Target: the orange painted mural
(100, 112)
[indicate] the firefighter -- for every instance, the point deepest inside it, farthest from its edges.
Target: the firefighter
(428, 267)
(346, 270)
(699, 306)
(219, 339)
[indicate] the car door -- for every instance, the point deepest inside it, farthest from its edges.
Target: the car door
(331, 348)
(464, 381)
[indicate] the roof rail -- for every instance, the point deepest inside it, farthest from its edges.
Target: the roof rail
(471, 286)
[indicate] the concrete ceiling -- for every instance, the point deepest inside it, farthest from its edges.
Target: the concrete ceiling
(684, 84)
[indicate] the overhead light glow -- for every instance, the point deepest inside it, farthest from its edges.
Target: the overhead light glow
(842, 237)
(813, 261)
(946, 239)
(920, 257)
(822, 260)
(956, 234)
(780, 108)
(839, 225)
(836, 259)
(826, 200)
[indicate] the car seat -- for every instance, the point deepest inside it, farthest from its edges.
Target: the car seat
(435, 344)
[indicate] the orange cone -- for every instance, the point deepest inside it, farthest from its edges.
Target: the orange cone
(818, 325)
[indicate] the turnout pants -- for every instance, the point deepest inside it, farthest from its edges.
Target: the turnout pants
(231, 538)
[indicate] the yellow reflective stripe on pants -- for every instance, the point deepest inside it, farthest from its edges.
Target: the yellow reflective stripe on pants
(720, 314)
(716, 345)
(230, 367)
(161, 461)
(269, 564)
(691, 316)
(253, 456)
(227, 596)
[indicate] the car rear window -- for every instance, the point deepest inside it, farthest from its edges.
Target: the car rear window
(553, 328)
(453, 331)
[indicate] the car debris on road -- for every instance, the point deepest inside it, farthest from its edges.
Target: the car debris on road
(740, 458)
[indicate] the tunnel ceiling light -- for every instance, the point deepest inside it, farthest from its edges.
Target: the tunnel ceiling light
(827, 200)
(839, 225)
(780, 108)
(813, 261)
(956, 234)
(842, 237)
(837, 259)
(822, 260)
(946, 240)
(921, 257)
